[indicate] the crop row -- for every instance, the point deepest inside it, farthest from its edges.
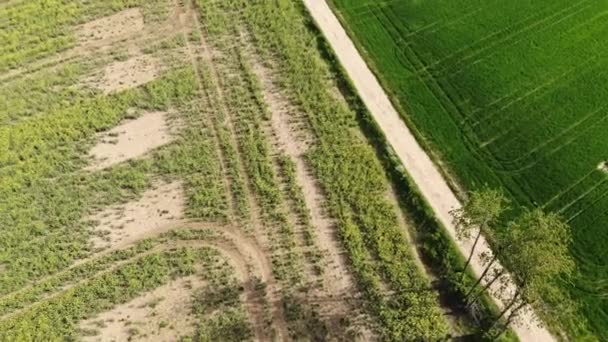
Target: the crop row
(246, 114)
(298, 204)
(227, 145)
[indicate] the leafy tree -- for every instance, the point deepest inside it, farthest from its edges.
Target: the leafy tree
(535, 246)
(538, 254)
(480, 213)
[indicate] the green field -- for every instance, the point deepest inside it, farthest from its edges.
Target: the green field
(511, 94)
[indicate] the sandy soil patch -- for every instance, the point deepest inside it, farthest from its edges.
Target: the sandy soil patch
(157, 210)
(132, 139)
(127, 22)
(163, 314)
(133, 72)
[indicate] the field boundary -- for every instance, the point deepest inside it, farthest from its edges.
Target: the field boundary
(417, 164)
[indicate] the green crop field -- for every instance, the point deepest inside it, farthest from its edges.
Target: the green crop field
(513, 94)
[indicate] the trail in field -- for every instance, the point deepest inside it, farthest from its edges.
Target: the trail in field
(418, 164)
(189, 13)
(131, 139)
(241, 252)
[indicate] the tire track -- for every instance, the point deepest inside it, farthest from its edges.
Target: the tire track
(241, 251)
(552, 19)
(274, 290)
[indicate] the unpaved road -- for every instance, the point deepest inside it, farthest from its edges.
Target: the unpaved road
(418, 164)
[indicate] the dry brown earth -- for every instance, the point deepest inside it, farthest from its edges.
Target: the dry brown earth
(157, 211)
(131, 139)
(163, 314)
(135, 71)
(127, 22)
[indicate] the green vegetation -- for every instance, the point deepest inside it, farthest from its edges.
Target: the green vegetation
(34, 293)
(504, 93)
(53, 307)
(24, 39)
(57, 317)
(480, 214)
(194, 159)
(535, 246)
(538, 251)
(26, 97)
(221, 317)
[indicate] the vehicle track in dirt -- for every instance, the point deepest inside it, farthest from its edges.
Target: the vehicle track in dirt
(241, 251)
(187, 13)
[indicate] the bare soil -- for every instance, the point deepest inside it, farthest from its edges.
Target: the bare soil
(135, 71)
(163, 314)
(158, 210)
(127, 22)
(131, 139)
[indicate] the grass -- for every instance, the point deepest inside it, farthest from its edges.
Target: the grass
(25, 97)
(500, 98)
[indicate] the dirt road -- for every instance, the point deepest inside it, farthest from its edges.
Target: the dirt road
(417, 163)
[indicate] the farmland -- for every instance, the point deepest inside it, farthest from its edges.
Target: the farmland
(507, 94)
(198, 170)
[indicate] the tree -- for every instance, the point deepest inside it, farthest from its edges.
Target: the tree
(488, 260)
(538, 253)
(480, 213)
